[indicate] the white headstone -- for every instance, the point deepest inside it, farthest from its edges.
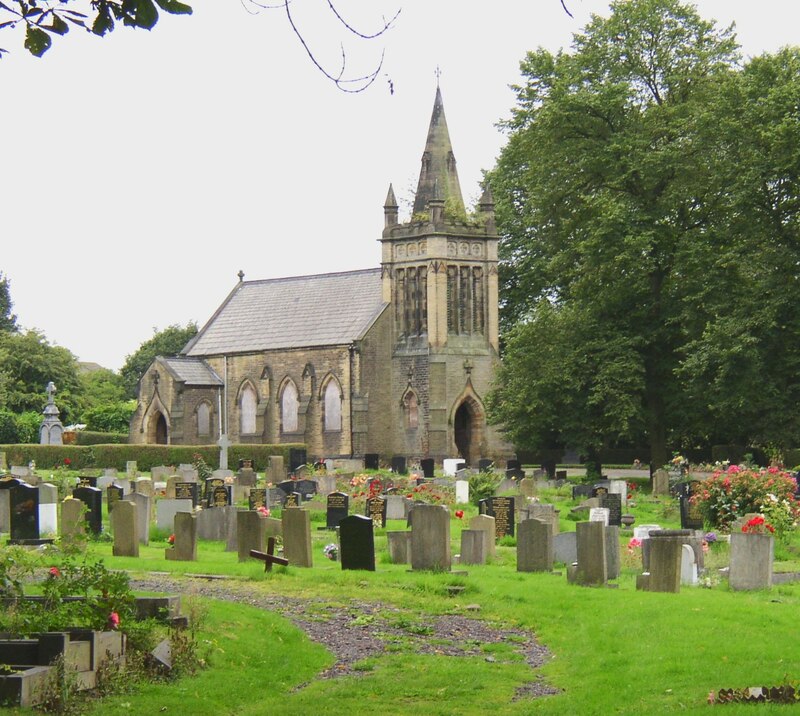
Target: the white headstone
(619, 487)
(166, 511)
(599, 514)
(462, 492)
(643, 531)
(449, 465)
(688, 565)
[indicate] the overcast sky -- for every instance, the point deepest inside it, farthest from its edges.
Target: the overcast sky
(139, 173)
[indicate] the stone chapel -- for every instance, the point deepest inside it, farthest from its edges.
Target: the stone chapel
(394, 360)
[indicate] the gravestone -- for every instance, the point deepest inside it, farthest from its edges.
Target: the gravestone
(337, 506)
(296, 525)
(297, 457)
(485, 465)
(124, 525)
(160, 473)
(534, 546)
(185, 530)
(506, 485)
(399, 546)
(613, 562)
(48, 509)
(430, 538)
(188, 491)
(691, 517)
(104, 482)
(549, 467)
(619, 487)
(665, 562)
(473, 547)
(208, 488)
(293, 499)
(527, 487)
(565, 547)
(24, 508)
(114, 493)
(250, 533)
(7, 482)
(219, 496)
(376, 510)
(561, 475)
(543, 512)
(169, 489)
(599, 514)
(144, 515)
(306, 488)
(427, 464)
(73, 520)
(599, 489)
(513, 464)
(166, 511)
(487, 524)
(87, 481)
(462, 492)
(131, 469)
(326, 484)
(257, 498)
(144, 486)
(93, 499)
(357, 543)
(246, 476)
(215, 524)
(372, 461)
(399, 465)
(397, 506)
(286, 486)
(688, 566)
(661, 483)
(581, 492)
(752, 558)
(613, 503)
(591, 548)
(451, 466)
(277, 469)
(515, 474)
(502, 509)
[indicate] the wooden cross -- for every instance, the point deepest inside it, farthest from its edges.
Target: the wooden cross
(269, 557)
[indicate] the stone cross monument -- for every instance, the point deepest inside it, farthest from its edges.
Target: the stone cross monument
(51, 429)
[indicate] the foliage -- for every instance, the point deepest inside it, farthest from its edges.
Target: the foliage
(204, 470)
(736, 491)
(43, 21)
(8, 321)
(22, 428)
(91, 437)
(482, 485)
(167, 342)
(110, 417)
(99, 387)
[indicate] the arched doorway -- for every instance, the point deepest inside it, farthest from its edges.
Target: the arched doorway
(161, 430)
(463, 429)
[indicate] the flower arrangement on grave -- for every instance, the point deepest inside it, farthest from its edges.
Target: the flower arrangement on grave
(738, 490)
(171, 540)
(331, 551)
(758, 526)
(263, 511)
(432, 494)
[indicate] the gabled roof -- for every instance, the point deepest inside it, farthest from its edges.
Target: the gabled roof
(301, 311)
(191, 371)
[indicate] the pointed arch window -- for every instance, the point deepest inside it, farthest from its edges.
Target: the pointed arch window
(411, 409)
(289, 408)
(203, 419)
(333, 406)
(247, 410)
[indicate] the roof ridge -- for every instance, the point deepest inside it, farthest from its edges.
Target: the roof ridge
(311, 275)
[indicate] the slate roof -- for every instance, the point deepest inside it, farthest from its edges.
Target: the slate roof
(191, 371)
(301, 311)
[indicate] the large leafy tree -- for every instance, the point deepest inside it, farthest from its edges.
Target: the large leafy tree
(167, 342)
(602, 192)
(8, 321)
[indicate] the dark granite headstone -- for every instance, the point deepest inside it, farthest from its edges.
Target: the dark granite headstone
(502, 509)
(187, 491)
(8, 482)
(561, 474)
(357, 543)
(93, 499)
(485, 465)
(114, 493)
(399, 465)
(307, 488)
(427, 464)
(24, 512)
(515, 474)
(293, 499)
(286, 486)
(338, 504)
(376, 510)
(613, 502)
(219, 497)
(211, 483)
(257, 497)
(599, 489)
(691, 517)
(580, 492)
(549, 466)
(297, 457)
(513, 465)
(372, 461)
(87, 481)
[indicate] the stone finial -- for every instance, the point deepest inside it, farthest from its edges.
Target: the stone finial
(486, 208)
(390, 208)
(240, 275)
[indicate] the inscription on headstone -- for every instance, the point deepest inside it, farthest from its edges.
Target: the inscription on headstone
(257, 497)
(613, 503)
(376, 511)
(187, 491)
(502, 509)
(337, 507)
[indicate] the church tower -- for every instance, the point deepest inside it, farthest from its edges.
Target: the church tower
(439, 273)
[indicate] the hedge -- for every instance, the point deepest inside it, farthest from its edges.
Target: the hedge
(91, 437)
(83, 457)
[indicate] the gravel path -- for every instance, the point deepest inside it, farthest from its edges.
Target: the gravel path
(365, 629)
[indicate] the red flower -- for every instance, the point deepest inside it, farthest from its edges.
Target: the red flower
(113, 621)
(459, 513)
(55, 572)
(171, 539)
(630, 496)
(67, 461)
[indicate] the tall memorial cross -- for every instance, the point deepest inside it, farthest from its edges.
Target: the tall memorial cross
(224, 444)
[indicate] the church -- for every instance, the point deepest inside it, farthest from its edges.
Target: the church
(395, 360)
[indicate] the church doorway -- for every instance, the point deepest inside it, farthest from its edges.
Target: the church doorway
(466, 429)
(158, 431)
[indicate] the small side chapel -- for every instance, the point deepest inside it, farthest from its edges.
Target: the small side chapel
(394, 360)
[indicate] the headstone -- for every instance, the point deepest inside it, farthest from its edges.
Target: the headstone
(485, 465)
(357, 543)
(688, 566)
(599, 514)
(619, 487)
(250, 532)
(222, 474)
(376, 511)
(48, 509)
(24, 508)
(257, 498)
(451, 465)
(219, 496)
(210, 484)
(184, 548)
(580, 492)
(93, 499)
(326, 484)
(661, 483)
(131, 469)
(691, 517)
(246, 477)
(166, 511)
(215, 524)
(502, 509)
(543, 512)
(337, 506)
(306, 488)
(144, 515)
(534, 546)
(665, 562)
(473, 547)
(188, 474)
(462, 492)
(104, 482)
(144, 486)
(599, 489)
(613, 561)
(124, 525)
(487, 524)
(513, 464)
(507, 485)
(397, 506)
(114, 493)
(399, 546)
(561, 475)
(188, 491)
(51, 430)
(565, 547)
(169, 490)
(430, 538)
(527, 487)
(752, 557)
(87, 481)
(427, 464)
(591, 548)
(613, 503)
(372, 461)
(399, 465)
(110, 472)
(297, 457)
(549, 467)
(160, 473)
(277, 470)
(296, 524)
(73, 521)
(293, 499)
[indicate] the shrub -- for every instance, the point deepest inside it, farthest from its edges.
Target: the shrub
(482, 486)
(91, 437)
(735, 492)
(111, 417)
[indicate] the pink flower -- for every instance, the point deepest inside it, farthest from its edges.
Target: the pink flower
(113, 621)
(263, 511)
(55, 572)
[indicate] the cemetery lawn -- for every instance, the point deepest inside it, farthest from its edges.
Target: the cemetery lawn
(610, 650)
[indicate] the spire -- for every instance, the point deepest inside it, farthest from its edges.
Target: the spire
(390, 208)
(438, 163)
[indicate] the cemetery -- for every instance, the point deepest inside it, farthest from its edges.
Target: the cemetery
(521, 593)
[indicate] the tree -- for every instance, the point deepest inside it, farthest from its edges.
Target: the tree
(8, 321)
(601, 196)
(168, 342)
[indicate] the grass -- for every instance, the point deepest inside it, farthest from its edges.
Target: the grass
(614, 651)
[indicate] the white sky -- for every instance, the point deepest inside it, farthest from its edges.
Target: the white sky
(140, 172)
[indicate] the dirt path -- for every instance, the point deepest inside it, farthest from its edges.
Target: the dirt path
(364, 629)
